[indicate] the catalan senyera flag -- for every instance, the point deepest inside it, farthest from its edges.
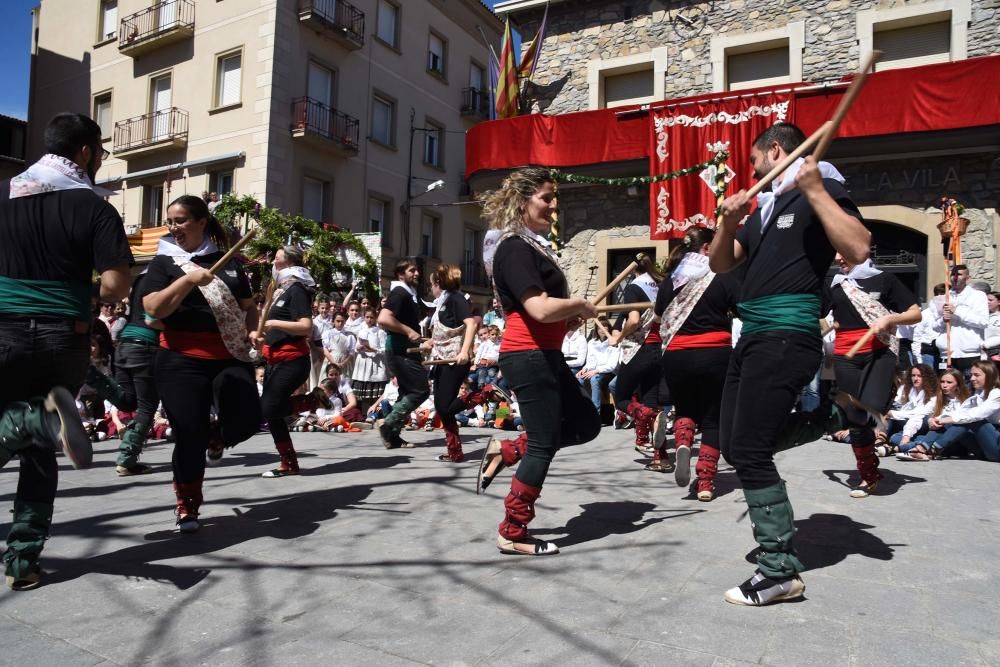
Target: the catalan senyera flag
(145, 242)
(507, 87)
(529, 57)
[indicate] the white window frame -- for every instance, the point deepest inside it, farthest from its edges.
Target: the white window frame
(869, 20)
(598, 70)
(397, 12)
(435, 240)
(441, 71)
(107, 132)
(793, 35)
(325, 197)
(434, 144)
(385, 224)
(104, 34)
(220, 61)
(391, 129)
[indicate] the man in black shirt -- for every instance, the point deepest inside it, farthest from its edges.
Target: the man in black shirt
(787, 246)
(55, 231)
(400, 317)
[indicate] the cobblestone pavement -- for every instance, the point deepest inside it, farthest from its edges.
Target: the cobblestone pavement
(388, 557)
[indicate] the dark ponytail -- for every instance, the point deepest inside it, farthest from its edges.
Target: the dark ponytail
(647, 265)
(197, 208)
(694, 239)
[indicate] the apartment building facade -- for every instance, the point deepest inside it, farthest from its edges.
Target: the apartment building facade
(307, 105)
(608, 65)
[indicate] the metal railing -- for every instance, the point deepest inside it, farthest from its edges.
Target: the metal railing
(156, 20)
(474, 274)
(475, 102)
(151, 128)
(339, 14)
(313, 116)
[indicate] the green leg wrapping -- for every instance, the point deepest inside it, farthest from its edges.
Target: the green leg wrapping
(804, 427)
(23, 424)
(107, 388)
(396, 419)
(772, 520)
(27, 537)
(133, 440)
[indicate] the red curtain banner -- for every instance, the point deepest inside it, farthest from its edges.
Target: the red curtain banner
(683, 136)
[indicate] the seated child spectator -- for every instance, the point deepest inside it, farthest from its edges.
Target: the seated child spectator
(485, 366)
(953, 395)
(916, 398)
(602, 360)
(382, 406)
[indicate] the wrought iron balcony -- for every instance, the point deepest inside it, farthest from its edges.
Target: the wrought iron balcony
(475, 102)
(164, 23)
(338, 19)
(152, 131)
(474, 274)
(324, 126)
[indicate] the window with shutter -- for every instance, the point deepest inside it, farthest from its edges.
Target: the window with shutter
(913, 45)
(382, 121)
(313, 198)
(433, 139)
(109, 20)
(386, 23)
(629, 88)
(764, 67)
(435, 54)
(102, 114)
(229, 77)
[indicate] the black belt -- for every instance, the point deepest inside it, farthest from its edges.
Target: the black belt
(78, 326)
(139, 341)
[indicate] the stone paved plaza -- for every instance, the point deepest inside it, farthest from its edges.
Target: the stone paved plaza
(377, 557)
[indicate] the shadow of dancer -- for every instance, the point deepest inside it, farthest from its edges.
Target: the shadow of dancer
(603, 519)
(889, 484)
(284, 518)
(823, 540)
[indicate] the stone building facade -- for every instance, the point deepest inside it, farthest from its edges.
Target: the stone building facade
(625, 52)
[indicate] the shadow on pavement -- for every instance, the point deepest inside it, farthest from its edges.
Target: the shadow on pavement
(891, 481)
(603, 519)
(823, 540)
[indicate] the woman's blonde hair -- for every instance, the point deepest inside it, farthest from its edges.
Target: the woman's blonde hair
(504, 208)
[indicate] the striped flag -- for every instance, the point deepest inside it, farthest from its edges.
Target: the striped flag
(507, 86)
(529, 57)
(494, 75)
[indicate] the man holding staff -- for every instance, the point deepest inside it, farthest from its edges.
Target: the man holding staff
(400, 317)
(787, 246)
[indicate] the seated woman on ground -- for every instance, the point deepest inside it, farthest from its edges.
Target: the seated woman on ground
(973, 427)
(916, 397)
(912, 446)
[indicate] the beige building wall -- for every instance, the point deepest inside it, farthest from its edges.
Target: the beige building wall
(252, 139)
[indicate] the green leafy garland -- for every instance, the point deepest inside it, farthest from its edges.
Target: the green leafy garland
(563, 177)
(325, 246)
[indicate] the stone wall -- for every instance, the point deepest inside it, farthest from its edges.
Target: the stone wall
(585, 30)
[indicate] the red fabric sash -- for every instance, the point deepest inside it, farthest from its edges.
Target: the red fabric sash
(285, 351)
(696, 341)
(197, 344)
(523, 333)
(846, 338)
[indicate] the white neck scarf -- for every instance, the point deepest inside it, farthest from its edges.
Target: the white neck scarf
(766, 199)
(864, 270)
(647, 284)
(294, 274)
(53, 173)
(693, 266)
(167, 245)
(399, 283)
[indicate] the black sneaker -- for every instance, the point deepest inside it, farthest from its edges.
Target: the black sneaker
(28, 581)
(187, 524)
(389, 441)
(759, 590)
(213, 454)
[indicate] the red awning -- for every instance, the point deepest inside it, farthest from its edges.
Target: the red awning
(946, 96)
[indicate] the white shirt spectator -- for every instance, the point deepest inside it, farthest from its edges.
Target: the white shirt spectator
(355, 326)
(320, 326)
(574, 349)
(601, 357)
(906, 406)
(968, 324)
(923, 331)
(339, 344)
(979, 407)
(488, 350)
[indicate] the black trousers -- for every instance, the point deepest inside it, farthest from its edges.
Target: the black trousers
(190, 388)
(134, 362)
(410, 375)
(640, 376)
(555, 409)
(280, 380)
(696, 378)
(36, 356)
(447, 382)
(766, 374)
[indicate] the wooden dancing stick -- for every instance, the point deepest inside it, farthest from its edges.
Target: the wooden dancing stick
(232, 252)
(411, 350)
(845, 104)
(266, 309)
(603, 294)
(860, 344)
(439, 362)
(789, 159)
(621, 307)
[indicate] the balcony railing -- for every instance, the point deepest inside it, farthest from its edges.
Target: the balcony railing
(474, 274)
(165, 22)
(337, 18)
(475, 102)
(157, 129)
(311, 118)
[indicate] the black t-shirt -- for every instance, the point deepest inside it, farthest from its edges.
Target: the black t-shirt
(294, 304)
(886, 288)
(714, 308)
(454, 310)
(632, 294)
(194, 313)
(401, 303)
(136, 314)
(62, 236)
(517, 267)
(793, 254)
